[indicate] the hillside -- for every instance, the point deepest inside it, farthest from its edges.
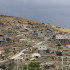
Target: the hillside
(17, 28)
(23, 33)
(20, 36)
(8, 21)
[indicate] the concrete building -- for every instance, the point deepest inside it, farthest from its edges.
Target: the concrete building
(3, 38)
(36, 55)
(46, 33)
(63, 38)
(42, 49)
(34, 33)
(41, 34)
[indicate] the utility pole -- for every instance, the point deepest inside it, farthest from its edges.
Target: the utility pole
(22, 64)
(27, 66)
(17, 64)
(62, 62)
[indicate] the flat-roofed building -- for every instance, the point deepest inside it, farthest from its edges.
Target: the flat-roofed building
(42, 49)
(63, 38)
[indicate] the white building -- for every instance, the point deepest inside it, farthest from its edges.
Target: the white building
(63, 38)
(35, 55)
(42, 49)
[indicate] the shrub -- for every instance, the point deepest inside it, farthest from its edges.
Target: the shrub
(59, 53)
(58, 45)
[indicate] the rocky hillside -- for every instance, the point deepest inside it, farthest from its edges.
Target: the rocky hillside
(18, 34)
(9, 22)
(18, 29)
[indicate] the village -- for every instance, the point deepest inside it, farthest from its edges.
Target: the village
(24, 42)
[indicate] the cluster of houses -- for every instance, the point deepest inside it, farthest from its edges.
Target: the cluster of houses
(47, 34)
(44, 34)
(41, 34)
(44, 49)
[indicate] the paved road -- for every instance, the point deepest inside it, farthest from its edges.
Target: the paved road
(21, 52)
(18, 54)
(35, 46)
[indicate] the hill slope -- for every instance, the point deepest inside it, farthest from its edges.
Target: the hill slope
(8, 21)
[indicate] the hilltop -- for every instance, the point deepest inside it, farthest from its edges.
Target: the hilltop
(8, 21)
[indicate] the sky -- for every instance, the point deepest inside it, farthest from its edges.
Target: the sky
(55, 12)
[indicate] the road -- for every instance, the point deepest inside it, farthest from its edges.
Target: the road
(35, 46)
(21, 53)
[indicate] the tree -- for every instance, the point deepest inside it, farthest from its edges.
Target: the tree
(59, 53)
(8, 40)
(33, 66)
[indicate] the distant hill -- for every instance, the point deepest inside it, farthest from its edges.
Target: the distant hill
(8, 21)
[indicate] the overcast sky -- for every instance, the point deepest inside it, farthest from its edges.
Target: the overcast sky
(56, 12)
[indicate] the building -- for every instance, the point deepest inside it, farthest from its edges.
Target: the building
(41, 34)
(46, 33)
(63, 38)
(3, 38)
(36, 55)
(42, 49)
(34, 33)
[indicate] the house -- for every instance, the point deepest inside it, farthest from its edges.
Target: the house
(40, 34)
(36, 55)
(49, 33)
(3, 38)
(42, 49)
(34, 33)
(62, 38)
(16, 48)
(46, 33)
